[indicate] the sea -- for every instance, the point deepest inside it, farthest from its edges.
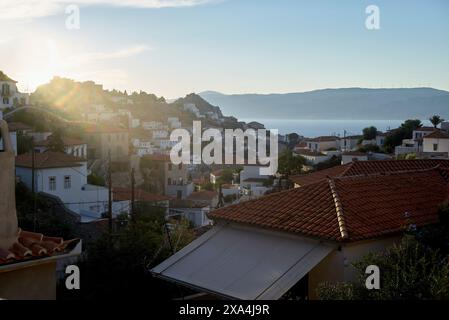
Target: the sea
(315, 128)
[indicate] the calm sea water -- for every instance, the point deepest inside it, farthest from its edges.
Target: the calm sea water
(313, 128)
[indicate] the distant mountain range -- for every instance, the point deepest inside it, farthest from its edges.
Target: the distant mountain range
(347, 104)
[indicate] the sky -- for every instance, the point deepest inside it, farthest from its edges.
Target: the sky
(175, 47)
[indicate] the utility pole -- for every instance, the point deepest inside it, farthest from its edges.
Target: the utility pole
(110, 193)
(133, 182)
(33, 184)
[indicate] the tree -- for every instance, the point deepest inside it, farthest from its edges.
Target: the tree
(416, 268)
(405, 131)
(332, 162)
(121, 262)
(227, 176)
(369, 133)
(95, 180)
(410, 270)
(289, 164)
(55, 142)
(436, 120)
(24, 143)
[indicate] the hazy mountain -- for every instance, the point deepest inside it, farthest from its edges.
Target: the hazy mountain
(350, 103)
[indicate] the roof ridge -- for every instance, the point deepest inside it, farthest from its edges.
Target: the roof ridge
(339, 210)
(387, 173)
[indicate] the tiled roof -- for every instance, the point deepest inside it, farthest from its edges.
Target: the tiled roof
(305, 179)
(124, 194)
(4, 77)
(370, 206)
(204, 195)
(437, 134)
(48, 160)
(426, 129)
(369, 167)
(308, 152)
(30, 245)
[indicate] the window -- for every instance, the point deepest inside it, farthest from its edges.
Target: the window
(179, 194)
(169, 181)
(5, 100)
(435, 147)
(52, 183)
(169, 167)
(67, 182)
(180, 166)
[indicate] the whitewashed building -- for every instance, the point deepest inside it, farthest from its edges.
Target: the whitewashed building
(9, 94)
(64, 176)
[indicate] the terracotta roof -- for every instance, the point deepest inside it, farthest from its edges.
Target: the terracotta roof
(437, 134)
(354, 153)
(48, 160)
(427, 129)
(30, 246)
(203, 195)
(124, 194)
(370, 206)
(16, 126)
(368, 167)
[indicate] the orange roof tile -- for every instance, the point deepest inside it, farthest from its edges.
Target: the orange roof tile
(372, 206)
(48, 160)
(204, 195)
(368, 167)
(30, 246)
(437, 134)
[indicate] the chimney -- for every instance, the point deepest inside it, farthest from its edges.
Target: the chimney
(8, 217)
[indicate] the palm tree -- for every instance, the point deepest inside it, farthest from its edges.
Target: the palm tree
(436, 120)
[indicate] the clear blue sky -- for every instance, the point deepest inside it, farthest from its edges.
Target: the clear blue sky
(231, 46)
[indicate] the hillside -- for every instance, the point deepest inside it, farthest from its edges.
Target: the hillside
(347, 104)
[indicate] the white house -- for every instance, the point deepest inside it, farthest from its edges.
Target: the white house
(349, 143)
(323, 143)
(9, 94)
(72, 146)
(313, 157)
(195, 213)
(437, 141)
(252, 183)
(65, 177)
(153, 125)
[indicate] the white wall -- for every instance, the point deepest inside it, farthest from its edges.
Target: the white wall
(442, 145)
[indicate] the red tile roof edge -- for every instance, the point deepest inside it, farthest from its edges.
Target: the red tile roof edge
(34, 246)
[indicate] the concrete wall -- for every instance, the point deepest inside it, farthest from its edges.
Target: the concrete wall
(443, 145)
(337, 266)
(37, 282)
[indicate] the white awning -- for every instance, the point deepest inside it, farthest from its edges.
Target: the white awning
(243, 262)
